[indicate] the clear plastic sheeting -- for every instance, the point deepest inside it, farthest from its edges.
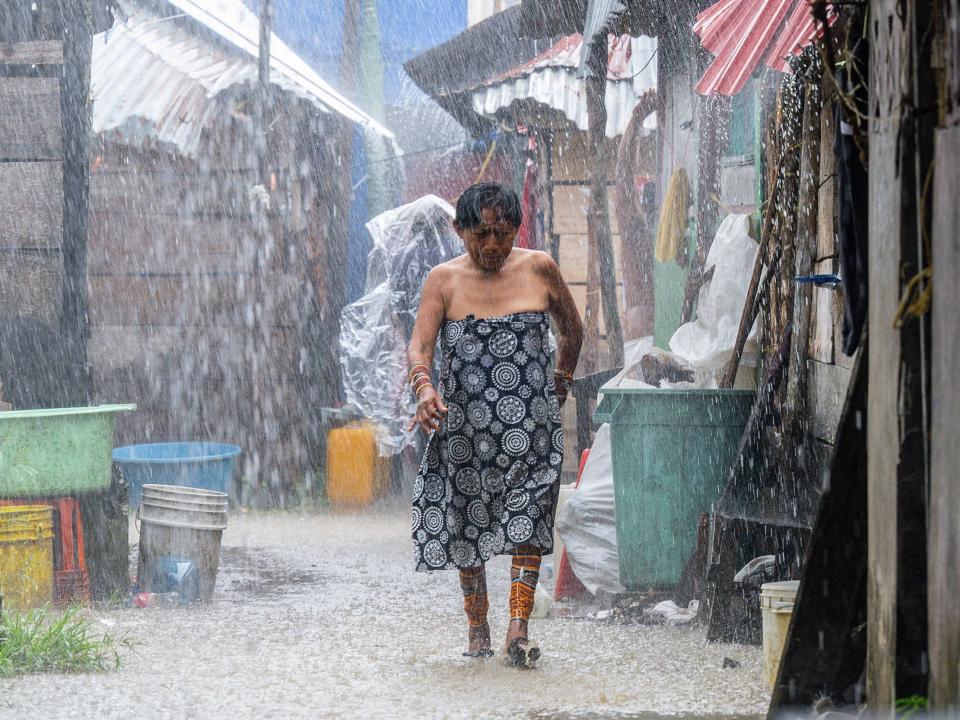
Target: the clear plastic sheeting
(707, 342)
(375, 330)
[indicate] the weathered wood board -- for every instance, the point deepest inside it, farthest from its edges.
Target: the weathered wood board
(135, 243)
(31, 285)
(827, 387)
(39, 52)
(31, 205)
(944, 537)
(30, 118)
(191, 300)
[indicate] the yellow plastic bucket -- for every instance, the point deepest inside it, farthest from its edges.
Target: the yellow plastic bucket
(776, 605)
(26, 556)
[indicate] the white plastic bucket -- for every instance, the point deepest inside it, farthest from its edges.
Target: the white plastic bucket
(776, 605)
(183, 522)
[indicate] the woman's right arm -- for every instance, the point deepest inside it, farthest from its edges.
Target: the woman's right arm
(430, 407)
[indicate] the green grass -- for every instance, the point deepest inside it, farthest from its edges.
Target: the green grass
(45, 641)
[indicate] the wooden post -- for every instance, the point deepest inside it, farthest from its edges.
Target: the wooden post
(944, 539)
(896, 445)
(805, 250)
(598, 216)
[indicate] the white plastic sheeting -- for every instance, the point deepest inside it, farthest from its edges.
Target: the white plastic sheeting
(587, 522)
(375, 330)
(707, 342)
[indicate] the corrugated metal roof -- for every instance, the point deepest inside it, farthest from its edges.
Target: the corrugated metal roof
(742, 33)
(551, 79)
(154, 77)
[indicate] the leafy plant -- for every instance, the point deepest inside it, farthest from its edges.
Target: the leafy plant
(909, 706)
(41, 641)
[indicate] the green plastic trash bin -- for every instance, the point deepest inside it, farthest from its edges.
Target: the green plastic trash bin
(671, 453)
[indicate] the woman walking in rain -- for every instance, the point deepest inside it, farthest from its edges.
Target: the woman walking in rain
(490, 476)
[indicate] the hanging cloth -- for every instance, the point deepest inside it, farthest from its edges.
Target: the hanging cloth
(671, 234)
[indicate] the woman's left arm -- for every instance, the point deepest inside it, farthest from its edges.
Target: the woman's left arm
(563, 309)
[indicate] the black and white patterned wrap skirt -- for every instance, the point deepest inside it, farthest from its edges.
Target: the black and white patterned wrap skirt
(490, 475)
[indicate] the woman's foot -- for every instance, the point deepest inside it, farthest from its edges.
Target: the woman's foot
(479, 639)
(520, 651)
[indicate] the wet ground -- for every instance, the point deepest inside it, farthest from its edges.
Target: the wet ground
(320, 616)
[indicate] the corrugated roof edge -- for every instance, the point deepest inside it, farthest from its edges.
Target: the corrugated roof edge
(282, 59)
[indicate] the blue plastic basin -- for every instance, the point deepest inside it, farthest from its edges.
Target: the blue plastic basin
(205, 465)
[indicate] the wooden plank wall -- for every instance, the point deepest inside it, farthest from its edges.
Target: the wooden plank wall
(172, 286)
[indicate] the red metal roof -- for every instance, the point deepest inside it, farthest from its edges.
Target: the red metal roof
(741, 33)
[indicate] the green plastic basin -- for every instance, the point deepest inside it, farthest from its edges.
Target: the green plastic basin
(58, 451)
(671, 452)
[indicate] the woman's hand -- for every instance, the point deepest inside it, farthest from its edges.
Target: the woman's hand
(430, 411)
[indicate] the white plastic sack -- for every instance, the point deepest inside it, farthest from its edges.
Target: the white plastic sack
(587, 523)
(408, 242)
(707, 342)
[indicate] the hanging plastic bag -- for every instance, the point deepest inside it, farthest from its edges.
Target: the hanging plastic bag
(408, 242)
(708, 341)
(587, 522)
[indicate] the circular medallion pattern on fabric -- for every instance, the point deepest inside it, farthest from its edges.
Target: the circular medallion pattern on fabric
(535, 376)
(511, 410)
(544, 537)
(455, 520)
(505, 376)
(462, 553)
(434, 554)
(557, 440)
(554, 408)
(454, 332)
(516, 500)
(477, 513)
(473, 380)
(538, 409)
(433, 520)
(517, 474)
(519, 529)
(415, 517)
(418, 486)
(433, 487)
(502, 343)
(454, 417)
(492, 479)
(532, 343)
(516, 442)
(485, 446)
(541, 442)
(459, 449)
(486, 543)
(478, 414)
(469, 348)
(468, 481)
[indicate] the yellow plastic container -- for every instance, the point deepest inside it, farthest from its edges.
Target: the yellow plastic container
(26, 556)
(776, 605)
(356, 474)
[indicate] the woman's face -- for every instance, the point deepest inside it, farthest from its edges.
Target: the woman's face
(489, 244)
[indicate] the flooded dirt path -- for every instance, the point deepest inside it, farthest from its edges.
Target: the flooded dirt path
(321, 616)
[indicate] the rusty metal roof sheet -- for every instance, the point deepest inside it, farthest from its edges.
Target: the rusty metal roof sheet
(742, 33)
(157, 77)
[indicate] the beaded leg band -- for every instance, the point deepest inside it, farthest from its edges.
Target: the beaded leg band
(473, 581)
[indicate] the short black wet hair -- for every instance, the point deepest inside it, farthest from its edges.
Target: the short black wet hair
(476, 198)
